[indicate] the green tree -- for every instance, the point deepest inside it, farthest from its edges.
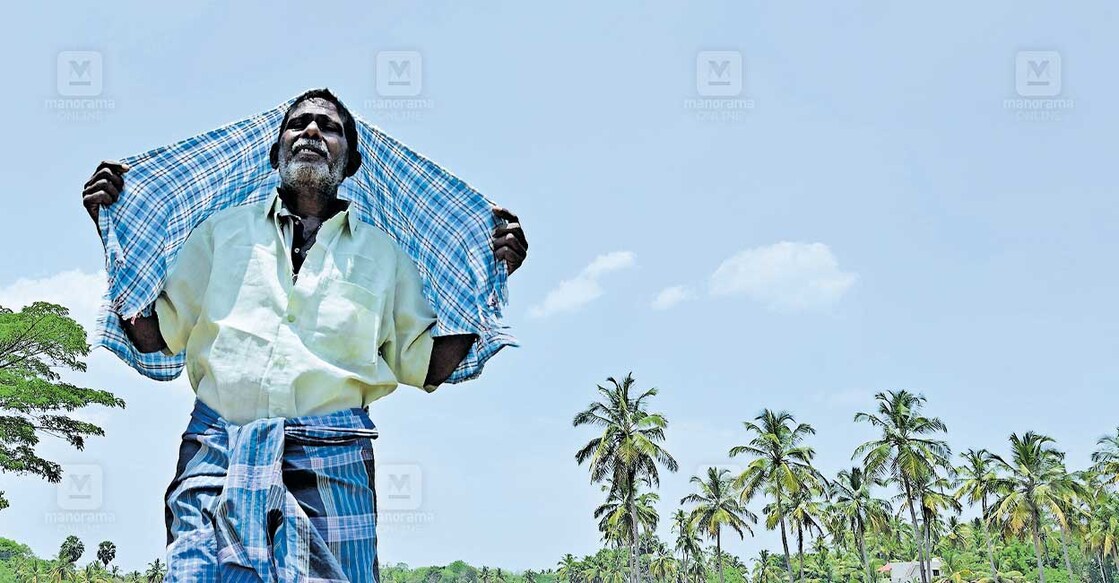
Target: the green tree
(907, 451)
(1034, 482)
(567, 568)
(628, 450)
(976, 482)
(1106, 459)
(71, 550)
(854, 503)
(687, 544)
(781, 464)
(34, 401)
(157, 570)
(106, 552)
(716, 506)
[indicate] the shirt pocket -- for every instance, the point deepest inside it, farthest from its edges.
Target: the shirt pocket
(346, 327)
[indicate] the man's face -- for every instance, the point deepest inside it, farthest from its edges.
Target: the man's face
(313, 147)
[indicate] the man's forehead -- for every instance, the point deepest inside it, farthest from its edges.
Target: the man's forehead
(316, 105)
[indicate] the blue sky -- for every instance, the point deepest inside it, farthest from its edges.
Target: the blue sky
(882, 215)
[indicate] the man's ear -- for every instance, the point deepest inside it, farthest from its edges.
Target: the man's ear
(353, 162)
(274, 155)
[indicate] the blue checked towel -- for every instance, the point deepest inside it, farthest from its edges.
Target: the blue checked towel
(443, 224)
(274, 500)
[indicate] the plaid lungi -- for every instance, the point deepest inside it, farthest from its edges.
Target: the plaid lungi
(274, 500)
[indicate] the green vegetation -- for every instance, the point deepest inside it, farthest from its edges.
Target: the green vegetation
(34, 401)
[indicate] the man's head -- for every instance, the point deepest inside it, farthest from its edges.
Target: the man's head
(318, 145)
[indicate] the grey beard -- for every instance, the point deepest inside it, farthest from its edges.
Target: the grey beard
(308, 175)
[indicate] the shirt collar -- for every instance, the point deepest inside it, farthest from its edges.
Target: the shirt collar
(275, 207)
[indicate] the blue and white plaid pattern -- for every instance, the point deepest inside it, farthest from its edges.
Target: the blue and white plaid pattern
(443, 224)
(274, 500)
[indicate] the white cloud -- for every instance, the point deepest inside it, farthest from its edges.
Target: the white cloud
(784, 276)
(670, 296)
(79, 291)
(572, 294)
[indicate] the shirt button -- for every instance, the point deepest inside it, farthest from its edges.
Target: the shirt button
(297, 249)
(291, 317)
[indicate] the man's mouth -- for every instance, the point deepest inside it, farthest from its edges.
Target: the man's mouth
(308, 146)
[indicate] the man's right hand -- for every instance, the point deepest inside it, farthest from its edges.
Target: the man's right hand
(104, 187)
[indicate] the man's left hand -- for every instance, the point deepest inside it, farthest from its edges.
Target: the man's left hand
(509, 243)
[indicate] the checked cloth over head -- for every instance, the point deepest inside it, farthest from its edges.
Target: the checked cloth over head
(442, 223)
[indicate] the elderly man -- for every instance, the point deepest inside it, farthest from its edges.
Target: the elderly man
(294, 316)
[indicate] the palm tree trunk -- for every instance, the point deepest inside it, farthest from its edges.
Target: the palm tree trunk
(719, 552)
(1103, 572)
(860, 538)
(635, 560)
(916, 532)
(800, 552)
(987, 537)
(784, 539)
(1064, 549)
(1037, 547)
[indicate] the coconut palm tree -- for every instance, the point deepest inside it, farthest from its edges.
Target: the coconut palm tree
(615, 517)
(716, 506)
(934, 501)
(907, 450)
(663, 567)
(854, 502)
(567, 568)
(157, 570)
(806, 514)
(628, 449)
(975, 483)
(687, 541)
(1106, 459)
(781, 464)
(1034, 482)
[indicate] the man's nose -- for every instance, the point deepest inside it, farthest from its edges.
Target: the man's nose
(312, 131)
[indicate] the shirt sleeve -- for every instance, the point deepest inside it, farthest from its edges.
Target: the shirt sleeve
(407, 349)
(179, 305)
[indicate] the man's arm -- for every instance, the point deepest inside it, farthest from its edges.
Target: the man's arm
(447, 353)
(144, 333)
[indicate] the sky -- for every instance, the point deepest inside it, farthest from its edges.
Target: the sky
(789, 205)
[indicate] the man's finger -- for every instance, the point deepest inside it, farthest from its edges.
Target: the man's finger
(107, 174)
(511, 261)
(512, 243)
(105, 186)
(512, 229)
(114, 165)
(504, 213)
(98, 198)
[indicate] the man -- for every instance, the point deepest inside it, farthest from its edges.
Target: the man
(294, 316)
